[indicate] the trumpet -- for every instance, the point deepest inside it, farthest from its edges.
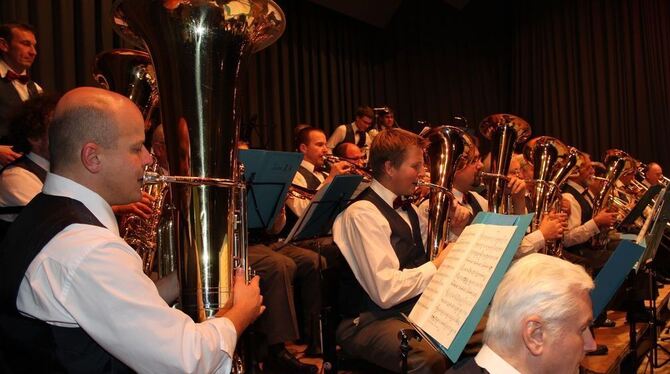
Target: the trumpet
(354, 168)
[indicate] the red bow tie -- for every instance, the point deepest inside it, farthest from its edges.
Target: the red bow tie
(10, 76)
(401, 202)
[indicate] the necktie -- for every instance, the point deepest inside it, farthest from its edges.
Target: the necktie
(401, 202)
(361, 139)
(10, 76)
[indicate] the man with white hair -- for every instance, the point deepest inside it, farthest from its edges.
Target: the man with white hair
(539, 320)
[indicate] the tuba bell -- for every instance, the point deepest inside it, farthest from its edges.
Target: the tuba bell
(200, 51)
(449, 149)
(505, 131)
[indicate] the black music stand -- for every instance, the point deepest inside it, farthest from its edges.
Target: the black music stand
(316, 222)
(661, 218)
(268, 175)
(639, 208)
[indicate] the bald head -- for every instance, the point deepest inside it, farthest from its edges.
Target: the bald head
(86, 115)
(654, 173)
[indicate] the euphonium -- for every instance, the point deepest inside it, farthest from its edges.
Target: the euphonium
(130, 73)
(140, 233)
(617, 163)
(505, 131)
(200, 50)
(553, 162)
(449, 148)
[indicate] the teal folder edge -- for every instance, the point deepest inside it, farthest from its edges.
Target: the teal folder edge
(522, 222)
(614, 272)
(271, 173)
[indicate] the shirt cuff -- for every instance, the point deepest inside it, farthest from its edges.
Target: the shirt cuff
(592, 227)
(227, 333)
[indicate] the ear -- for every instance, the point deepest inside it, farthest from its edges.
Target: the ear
(302, 147)
(533, 335)
(90, 157)
(389, 170)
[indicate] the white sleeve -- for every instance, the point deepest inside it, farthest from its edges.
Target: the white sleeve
(364, 238)
(120, 308)
(337, 136)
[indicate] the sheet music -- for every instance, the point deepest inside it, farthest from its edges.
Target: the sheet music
(452, 293)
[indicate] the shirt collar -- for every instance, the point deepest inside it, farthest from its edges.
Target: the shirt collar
(383, 192)
(307, 165)
(489, 360)
(57, 185)
(576, 186)
(39, 160)
(4, 68)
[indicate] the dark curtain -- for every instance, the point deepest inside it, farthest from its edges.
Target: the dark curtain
(590, 72)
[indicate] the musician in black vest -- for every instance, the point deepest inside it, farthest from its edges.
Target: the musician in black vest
(538, 320)
(355, 132)
(465, 180)
(22, 179)
(17, 54)
(582, 226)
(382, 238)
(74, 297)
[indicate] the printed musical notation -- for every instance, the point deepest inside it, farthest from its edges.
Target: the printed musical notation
(454, 290)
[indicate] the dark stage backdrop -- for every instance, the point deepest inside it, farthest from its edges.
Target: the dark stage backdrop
(593, 73)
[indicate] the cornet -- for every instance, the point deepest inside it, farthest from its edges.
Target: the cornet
(354, 168)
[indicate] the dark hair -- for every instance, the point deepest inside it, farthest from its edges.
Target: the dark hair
(31, 120)
(6, 29)
(391, 145)
(365, 111)
(302, 134)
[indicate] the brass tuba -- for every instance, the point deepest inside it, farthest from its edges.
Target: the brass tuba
(200, 51)
(449, 149)
(505, 131)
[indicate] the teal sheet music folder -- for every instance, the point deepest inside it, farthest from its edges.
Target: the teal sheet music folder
(459, 341)
(614, 272)
(269, 174)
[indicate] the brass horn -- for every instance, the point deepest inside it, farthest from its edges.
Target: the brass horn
(505, 131)
(449, 149)
(200, 50)
(130, 73)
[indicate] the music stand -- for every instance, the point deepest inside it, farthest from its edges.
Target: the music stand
(317, 221)
(268, 175)
(638, 209)
(660, 216)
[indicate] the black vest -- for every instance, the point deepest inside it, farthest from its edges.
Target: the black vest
(31, 345)
(407, 245)
(9, 101)
(313, 183)
(350, 136)
(25, 163)
(474, 203)
(587, 210)
(587, 214)
(467, 366)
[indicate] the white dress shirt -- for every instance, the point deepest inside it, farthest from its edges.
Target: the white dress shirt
(577, 232)
(87, 276)
(18, 186)
(363, 235)
(298, 206)
(340, 133)
(493, 363)
(21, 88)
(531, 243)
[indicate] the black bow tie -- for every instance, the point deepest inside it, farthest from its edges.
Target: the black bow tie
(401, 202)
(10, 76)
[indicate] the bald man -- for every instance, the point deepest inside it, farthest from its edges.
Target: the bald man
(74, 296)
(653, 175)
